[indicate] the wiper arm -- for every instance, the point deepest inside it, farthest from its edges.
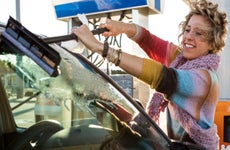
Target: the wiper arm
(27, 100)
(115, 109)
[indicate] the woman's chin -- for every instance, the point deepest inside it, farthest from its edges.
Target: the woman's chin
(187, 55)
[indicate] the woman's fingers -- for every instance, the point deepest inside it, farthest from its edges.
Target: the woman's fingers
(87, 38)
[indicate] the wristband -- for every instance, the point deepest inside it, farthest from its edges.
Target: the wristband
(106, 49)
(119, 58)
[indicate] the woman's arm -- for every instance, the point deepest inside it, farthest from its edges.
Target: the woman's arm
(155, 47)
(150, 71)
(130, 63)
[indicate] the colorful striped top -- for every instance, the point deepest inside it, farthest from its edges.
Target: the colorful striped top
(194, 90)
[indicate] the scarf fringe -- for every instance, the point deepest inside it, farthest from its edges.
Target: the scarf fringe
(159, 103)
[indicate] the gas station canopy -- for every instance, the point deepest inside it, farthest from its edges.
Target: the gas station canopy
(70, 8)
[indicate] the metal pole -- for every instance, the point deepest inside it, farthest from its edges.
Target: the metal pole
(18, 11)
(20, 80)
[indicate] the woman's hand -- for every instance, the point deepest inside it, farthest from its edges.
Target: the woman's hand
(130, 63)
(88, 39)
(118, 27)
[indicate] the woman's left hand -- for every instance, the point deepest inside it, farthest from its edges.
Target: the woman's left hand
(88, 39)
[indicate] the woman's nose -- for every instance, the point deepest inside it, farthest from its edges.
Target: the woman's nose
(189, 35)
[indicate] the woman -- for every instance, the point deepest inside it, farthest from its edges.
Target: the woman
(184, 77)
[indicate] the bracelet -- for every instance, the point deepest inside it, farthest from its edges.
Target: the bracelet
(117, 62)
(137, 32)
(114, 57)
(106, 49)
(110, 59)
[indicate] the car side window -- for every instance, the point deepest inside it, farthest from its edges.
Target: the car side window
(19, 87)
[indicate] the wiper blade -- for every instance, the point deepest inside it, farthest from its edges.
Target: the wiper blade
(27, 100)
(30, 45)
(114, 109)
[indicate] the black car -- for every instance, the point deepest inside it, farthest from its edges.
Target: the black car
(52, 98)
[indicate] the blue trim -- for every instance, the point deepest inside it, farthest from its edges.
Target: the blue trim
(90, 6)
(158, 5)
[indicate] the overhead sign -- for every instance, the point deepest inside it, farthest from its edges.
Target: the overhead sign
(71, 8)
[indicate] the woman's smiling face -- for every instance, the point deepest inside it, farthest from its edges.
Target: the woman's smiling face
(195, 38)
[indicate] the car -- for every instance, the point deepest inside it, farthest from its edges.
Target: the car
(52, 98)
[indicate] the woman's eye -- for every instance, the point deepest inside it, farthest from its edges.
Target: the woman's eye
(198, 33)
(187, 30)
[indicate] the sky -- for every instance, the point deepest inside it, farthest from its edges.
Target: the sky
(165, 25)
(36, 15)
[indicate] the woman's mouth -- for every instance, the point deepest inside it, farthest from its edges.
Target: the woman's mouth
(189, 46)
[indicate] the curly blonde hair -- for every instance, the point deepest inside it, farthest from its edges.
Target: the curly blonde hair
(216, 19)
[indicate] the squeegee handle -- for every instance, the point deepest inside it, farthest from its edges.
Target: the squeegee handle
(62, 38)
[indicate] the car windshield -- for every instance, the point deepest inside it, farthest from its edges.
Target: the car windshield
(80, 95)
(77, 86)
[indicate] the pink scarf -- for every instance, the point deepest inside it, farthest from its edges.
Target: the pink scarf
(158, 103)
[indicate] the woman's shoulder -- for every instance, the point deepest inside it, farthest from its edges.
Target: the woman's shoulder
(172, 52)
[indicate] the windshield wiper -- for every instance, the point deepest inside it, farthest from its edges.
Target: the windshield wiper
(27, 100)
(114, 109)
